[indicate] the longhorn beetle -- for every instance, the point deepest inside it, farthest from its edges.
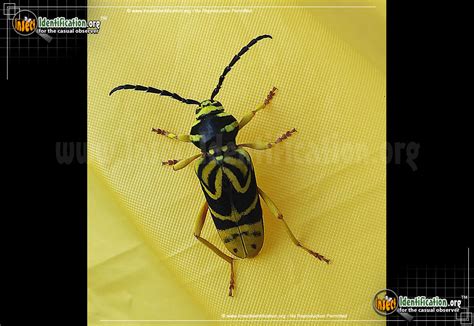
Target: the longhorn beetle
(226, 172)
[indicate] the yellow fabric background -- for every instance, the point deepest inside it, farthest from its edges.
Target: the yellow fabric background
(328, 180)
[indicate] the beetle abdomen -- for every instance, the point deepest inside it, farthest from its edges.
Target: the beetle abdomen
(229, 185)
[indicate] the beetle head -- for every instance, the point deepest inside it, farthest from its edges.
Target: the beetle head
(208, 107)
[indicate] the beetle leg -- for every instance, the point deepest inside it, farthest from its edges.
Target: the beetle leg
(246, 119)
(274, 210)
(183, 138)
(264, 145)
(170, 162)
(179, 164)
(197, 233)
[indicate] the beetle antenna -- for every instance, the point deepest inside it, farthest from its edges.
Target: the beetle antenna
(161, 92)
(234, 60)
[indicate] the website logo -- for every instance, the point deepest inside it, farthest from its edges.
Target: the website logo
(24, 22)
(385, 302)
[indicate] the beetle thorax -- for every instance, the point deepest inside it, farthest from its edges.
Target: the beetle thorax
(213, 127)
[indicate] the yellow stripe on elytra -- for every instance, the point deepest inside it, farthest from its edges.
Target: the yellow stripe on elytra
(218, 186)
(244, 154)
(235, 183)
(243, 230)
(237, 163)
(197, 164)
(220, 216)
(235, 215)
(206, 171)
(227, 232)
(251, 207)
(230, 127)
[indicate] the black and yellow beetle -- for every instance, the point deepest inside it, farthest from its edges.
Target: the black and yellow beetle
(226, 173)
